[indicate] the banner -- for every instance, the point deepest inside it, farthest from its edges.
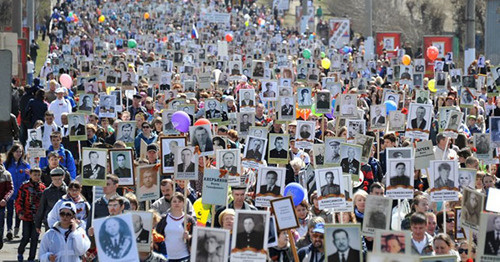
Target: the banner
(339, 32)
(390, 41)
(443, 43)
(217, 18)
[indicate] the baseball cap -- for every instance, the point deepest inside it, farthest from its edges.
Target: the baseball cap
(60, 90)
(319, 228)
(137, 95)
(68, 205)
(57, 172)
(293, 123)
(152, 147)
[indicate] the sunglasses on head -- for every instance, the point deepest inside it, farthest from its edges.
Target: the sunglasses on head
(65, 214)
(462, 250)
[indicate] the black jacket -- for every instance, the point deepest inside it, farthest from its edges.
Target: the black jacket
(49, 198)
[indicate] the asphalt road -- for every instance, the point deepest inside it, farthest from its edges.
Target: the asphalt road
(9, 250)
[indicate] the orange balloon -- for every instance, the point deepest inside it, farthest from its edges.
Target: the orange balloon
(146, 15)
(406, 60)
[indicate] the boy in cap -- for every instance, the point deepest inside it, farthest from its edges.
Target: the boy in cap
(50, 196)
(27, 203)
(65, 236)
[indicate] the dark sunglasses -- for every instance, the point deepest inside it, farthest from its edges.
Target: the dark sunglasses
(65, 214)
(449, 220)
(461, 250)
(146, 127)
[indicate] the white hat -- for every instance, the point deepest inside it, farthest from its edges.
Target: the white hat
(243, 78)
(68, 205)
(60, 90)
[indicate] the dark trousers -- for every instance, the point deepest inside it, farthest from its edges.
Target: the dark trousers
(29, 235)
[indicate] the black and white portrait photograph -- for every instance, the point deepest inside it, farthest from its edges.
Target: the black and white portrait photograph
(258, 131)
(323, 102)
(168, 147)
(201, 137)
(115, 238)
(94, 163)
(330, 187)
(348, 105)
(443, 178)
(210, 244)
(454, 121)
(399, 178)
(459, 231)
(245, 121)
(126, 132)
(255, 149)
(332, 150)
(441, 80)
(483, 146)
(305, 131)
(249, 235)
(278, 148)
(466, 178)
(438, 258)
(168, 126)
(377, 214)
(390, 95)
(419, 117)
(128, 78)
(107, 106)
(469, 81)
(378, 117)
(235, 67)
(488, 246)
(286, 108)
(456, 77)
(147, 182)
(397, 121)
(220, 142)
(304, 97)
(229, 160)
(187, 163)
(258, 68)
(467, 97)
(472, 207)
(318, 155)
(143, 227)
(269, 90)
(285, 91)
(86, 103)
(213, 109)
(350, 155)
(270, 185)
(495, 130)
(422, 96)
(247, 99)
(122, 165)
(367, 146)
(418, 80)
(77, 127)
(406, 72)
(34, 139)
(419, 65)
(343, 243)
(355, 127)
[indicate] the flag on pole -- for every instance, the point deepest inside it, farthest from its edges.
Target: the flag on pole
(194, 33)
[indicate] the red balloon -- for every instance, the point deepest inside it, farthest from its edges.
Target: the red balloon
(202, 121)
(229, 37)
(432, 52)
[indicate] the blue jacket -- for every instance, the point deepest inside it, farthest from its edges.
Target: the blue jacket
(67, 160)
(137, 142)
(19, 175)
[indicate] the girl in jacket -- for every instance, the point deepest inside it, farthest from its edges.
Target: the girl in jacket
(82, 206)
(19, 169)
(171, 226)
(66, 241)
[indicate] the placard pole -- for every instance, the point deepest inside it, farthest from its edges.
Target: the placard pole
(292, 244)
(444, 217)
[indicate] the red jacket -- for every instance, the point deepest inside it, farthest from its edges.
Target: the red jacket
(6, 185)
(28, 199)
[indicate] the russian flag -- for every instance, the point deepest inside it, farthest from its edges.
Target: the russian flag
(194, 33)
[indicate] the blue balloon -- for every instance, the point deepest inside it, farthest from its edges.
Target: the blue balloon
(296, 191)
(333, 103)
(68, 19)
(390, 106)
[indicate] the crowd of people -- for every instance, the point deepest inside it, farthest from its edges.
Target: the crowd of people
(277, 107)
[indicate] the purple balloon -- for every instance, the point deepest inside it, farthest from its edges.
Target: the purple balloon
(181, 121)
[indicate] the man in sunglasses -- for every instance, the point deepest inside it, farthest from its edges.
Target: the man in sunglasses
(65, 235)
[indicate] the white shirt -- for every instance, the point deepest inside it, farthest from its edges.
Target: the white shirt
(30, 67)
(47, 130)
(58, 107)
(420, 245)
(174, 238)
(449, 154)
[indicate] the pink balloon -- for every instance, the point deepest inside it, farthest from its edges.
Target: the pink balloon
(66, 81)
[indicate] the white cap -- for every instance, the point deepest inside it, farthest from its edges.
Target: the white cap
(60, 90)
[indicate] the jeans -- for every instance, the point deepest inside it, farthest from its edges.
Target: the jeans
(29, 79)
(29, 235)
(10, 215)
(2, 221)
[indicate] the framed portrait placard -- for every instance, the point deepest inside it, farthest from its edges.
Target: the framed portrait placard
(205, 240)
(147, 182)
(331, 187)
(419, 121)
(443, 180)
(143, 228)
(399, 178)
(377, 214)
(284, 212)
(122, 165)
(351, 236)
(94, 166)
(126, 132)
(187, 163)
(201, 137)
(472, 207)
(250, 236)
(459, 231)
(424, 153)
(116, 227)
(230, 160)
(487, 243)
(168, 147)
(393, 242)
(270, 185)
(377, 256)
(278, 148)
(77, 128)
(441, 258)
